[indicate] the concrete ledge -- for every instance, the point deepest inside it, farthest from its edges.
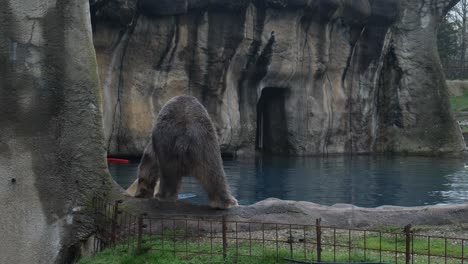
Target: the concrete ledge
(274, 210)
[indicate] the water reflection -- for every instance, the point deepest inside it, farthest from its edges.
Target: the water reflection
(457, 187)
(367, 181)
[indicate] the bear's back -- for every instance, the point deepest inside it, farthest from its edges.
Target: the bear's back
(184, 111)
(184, 128)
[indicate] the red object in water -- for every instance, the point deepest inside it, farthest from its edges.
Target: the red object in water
(115, 160)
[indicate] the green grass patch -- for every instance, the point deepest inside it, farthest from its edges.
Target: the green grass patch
(419, 246)
(464, 129)
(174, 247)
(459, 103)
(189, 253)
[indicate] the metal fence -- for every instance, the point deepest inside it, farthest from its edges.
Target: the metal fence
(227, 241)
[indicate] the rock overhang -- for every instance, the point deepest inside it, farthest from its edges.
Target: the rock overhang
(354, 11)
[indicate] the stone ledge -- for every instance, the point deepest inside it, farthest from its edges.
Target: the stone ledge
(274, 210)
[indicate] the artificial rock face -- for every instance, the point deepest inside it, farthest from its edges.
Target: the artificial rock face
(52, 154)
(184, 143)
(292, 77)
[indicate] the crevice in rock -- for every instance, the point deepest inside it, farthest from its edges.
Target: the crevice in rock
(226, 33)
(33, 27)
(247, 87)
(386, 43)
(330, 116)
(118, 106)
(158, 65)
(350, 67)
(329, 98)
(123, 37)
(175, 44)
(304, 25)
(228, 54)
(388, 106)
(192, 61)
(264, 59)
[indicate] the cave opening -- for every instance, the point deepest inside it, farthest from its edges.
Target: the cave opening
(271, 136)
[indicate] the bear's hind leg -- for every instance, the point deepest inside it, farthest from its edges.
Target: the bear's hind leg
(214, 184)
(169, 183)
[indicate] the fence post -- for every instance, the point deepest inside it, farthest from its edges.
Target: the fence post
(318, 231)
(140, 233)
(225, 245)
(408, 241)
(114, 222)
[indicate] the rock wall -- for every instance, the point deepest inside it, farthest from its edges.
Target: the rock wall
(273, 210)
(293, 77)
(52, 154)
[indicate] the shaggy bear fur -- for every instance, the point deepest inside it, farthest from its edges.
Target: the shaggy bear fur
(184, 143)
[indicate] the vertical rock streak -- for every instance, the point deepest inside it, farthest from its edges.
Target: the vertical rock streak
(115, 133)
(375, 81)
(113, 110)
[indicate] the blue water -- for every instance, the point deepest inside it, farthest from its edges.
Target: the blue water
(367, 181)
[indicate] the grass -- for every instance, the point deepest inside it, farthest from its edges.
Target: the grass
(174, 247)
(459, 103)
(179, 252)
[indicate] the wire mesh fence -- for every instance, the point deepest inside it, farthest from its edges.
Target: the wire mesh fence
(224, 240)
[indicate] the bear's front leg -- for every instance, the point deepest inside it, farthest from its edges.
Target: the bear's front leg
(148, 173)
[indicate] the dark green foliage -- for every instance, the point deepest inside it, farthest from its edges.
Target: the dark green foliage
(447, 40)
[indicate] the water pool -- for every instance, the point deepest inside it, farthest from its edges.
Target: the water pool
(367, 181)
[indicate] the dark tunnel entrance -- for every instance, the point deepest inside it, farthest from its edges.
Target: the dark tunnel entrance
(271, 122)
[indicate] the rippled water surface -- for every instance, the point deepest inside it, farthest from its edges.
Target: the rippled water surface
(361, 180)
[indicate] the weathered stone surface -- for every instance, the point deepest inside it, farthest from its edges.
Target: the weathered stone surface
(344, 76)
(304, 213)
(52, 154)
